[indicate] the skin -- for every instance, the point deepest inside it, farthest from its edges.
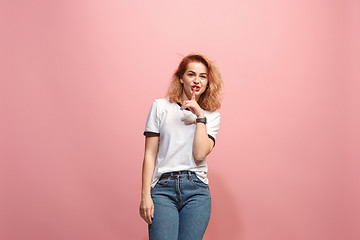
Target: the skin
(146, 204)
(195, 75)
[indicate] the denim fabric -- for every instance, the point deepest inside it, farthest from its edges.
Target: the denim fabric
(182, 206)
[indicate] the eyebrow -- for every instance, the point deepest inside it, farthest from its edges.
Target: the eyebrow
(195, 72)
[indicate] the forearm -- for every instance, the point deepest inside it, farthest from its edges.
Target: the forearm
(202, 145)
(151, 149)
(147, 174)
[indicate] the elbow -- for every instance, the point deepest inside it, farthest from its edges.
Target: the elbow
(199, 156)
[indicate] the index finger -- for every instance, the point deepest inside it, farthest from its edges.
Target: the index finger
(193, 95)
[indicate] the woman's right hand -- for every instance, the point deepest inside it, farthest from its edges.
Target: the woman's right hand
(147, 209)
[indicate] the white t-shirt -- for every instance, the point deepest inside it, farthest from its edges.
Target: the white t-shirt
(176, 129)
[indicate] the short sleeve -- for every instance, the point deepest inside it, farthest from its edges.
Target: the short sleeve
(152, 122)
(213, 124)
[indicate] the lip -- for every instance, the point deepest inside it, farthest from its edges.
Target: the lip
(195, 88)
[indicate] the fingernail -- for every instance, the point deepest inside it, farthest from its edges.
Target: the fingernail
(152, 216)
(180, 108)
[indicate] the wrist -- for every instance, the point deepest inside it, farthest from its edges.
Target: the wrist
(145, 194)
(201, 120)
(200, 115)
(145, 197)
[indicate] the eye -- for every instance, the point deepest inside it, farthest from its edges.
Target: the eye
(203, 76)
(191, 74)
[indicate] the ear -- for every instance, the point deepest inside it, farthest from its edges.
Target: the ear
(181, 80)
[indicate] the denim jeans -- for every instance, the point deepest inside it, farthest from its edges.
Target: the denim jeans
(182, 206)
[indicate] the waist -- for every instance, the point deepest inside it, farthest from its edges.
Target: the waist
(177, 173)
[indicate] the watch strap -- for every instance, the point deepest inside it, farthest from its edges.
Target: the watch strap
(201, 120)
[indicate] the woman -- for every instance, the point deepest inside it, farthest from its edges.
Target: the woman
(180, 132)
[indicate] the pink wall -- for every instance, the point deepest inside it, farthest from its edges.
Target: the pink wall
(77, 81)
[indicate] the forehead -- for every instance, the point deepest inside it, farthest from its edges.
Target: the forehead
(197, 67)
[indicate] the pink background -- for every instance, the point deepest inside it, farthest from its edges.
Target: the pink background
(77, 81)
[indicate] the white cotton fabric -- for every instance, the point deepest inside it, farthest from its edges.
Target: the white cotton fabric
(176, 129)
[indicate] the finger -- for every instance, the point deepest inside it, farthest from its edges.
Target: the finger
(148, 216)
(152, 214)
(182, 105)
(143, 214)
(193, 95)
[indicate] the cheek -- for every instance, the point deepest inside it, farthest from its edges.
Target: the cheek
(206, 83)
(187, 81)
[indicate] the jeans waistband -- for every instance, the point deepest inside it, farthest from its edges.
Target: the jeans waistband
(177, 173)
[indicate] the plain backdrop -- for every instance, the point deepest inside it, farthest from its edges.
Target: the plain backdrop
(77, 81)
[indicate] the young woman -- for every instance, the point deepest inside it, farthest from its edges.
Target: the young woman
(180, 132)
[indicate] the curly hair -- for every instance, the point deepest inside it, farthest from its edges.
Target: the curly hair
(210, 99)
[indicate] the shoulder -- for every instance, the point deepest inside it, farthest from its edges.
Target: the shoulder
(163, 102)
(213, 118)
(212, 115)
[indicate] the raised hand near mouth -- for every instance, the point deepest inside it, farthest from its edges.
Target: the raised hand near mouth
(193, 105)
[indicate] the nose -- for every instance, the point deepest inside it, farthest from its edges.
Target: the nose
(196, 79)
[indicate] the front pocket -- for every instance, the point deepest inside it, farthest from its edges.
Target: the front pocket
(197, 182)
(163, 182)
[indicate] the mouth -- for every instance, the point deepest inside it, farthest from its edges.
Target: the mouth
(195, 88)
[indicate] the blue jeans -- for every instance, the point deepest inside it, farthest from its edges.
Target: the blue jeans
(182, 206)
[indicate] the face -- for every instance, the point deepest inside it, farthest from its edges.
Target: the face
(195, 79)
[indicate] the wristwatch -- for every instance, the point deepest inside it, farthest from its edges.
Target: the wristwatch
(201, 120)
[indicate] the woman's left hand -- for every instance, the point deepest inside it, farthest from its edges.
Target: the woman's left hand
(193, 106)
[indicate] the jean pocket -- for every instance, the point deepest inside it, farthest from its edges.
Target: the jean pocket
(162, 182)
(197, 182)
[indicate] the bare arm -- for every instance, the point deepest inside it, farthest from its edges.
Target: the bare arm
(202, 145)
(146, 204)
